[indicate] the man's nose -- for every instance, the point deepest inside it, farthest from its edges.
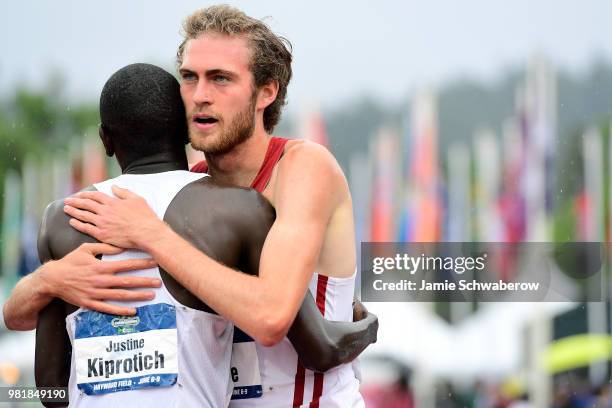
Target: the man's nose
(202, 94)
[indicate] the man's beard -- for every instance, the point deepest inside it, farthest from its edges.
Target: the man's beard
(238, 131)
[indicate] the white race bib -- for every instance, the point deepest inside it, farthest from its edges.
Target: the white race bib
(120, 353)
(244, 370)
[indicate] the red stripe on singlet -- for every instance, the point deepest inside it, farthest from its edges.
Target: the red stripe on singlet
(300, 376)
(321, 292)
(199, 167)
(298, 389)
(318, 377)
(276, 147)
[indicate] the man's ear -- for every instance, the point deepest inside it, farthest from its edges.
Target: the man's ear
(106, 141)
(267, 94)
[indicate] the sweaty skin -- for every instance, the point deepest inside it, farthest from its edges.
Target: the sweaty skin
(241, 219)
(313, 230)
(216, 232)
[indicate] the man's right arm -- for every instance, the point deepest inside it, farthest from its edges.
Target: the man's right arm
(79, 278)
(31, 294)
(309, 186)
(321, 344)
(28, 298)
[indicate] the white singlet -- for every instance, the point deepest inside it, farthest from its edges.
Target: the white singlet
(168, 355)
(286, 384)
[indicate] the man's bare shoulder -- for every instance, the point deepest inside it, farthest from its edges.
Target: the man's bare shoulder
(222, 221)
(56, 236)
(208, 189)
(54, 218)
(51, 221)
(306, 156)
(207, 196)
(310, 167)
(308, 148)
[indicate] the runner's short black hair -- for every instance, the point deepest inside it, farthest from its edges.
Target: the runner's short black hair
(141, 109)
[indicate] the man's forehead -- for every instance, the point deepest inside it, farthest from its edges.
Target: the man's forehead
(213, 49)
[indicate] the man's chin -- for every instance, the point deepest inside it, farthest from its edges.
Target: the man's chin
(202, 142)
(202, 147)
(210, 148)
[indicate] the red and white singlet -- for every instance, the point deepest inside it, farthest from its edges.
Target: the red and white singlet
(282, 381)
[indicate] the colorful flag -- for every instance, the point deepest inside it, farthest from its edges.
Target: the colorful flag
(382, 227)
(511, 202)
(593, 228)
(487, 187)
(405, 227)
(539, 126)
(424, 187)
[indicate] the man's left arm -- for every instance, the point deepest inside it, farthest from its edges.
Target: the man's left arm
(308, 188)
(53, 350)
(322, 344)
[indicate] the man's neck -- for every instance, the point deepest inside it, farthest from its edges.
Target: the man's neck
(156, 163)
(239, 166)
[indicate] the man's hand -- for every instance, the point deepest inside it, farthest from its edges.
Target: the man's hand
(83, 280)
(359, 310)
(80, 279)
(125, 221)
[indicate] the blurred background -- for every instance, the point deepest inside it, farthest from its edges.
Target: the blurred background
(453, 121)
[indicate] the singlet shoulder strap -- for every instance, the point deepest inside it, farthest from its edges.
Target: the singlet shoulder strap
(276, 147)
(200, 167)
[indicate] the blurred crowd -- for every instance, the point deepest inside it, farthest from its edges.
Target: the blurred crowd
(570, 390)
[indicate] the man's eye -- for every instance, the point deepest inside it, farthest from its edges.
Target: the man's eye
(188, 76)
(220, 79)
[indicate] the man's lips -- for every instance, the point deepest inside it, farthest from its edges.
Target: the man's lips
(203, 121)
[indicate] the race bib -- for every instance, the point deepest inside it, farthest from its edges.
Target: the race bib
(244, 370)
(119, 353)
